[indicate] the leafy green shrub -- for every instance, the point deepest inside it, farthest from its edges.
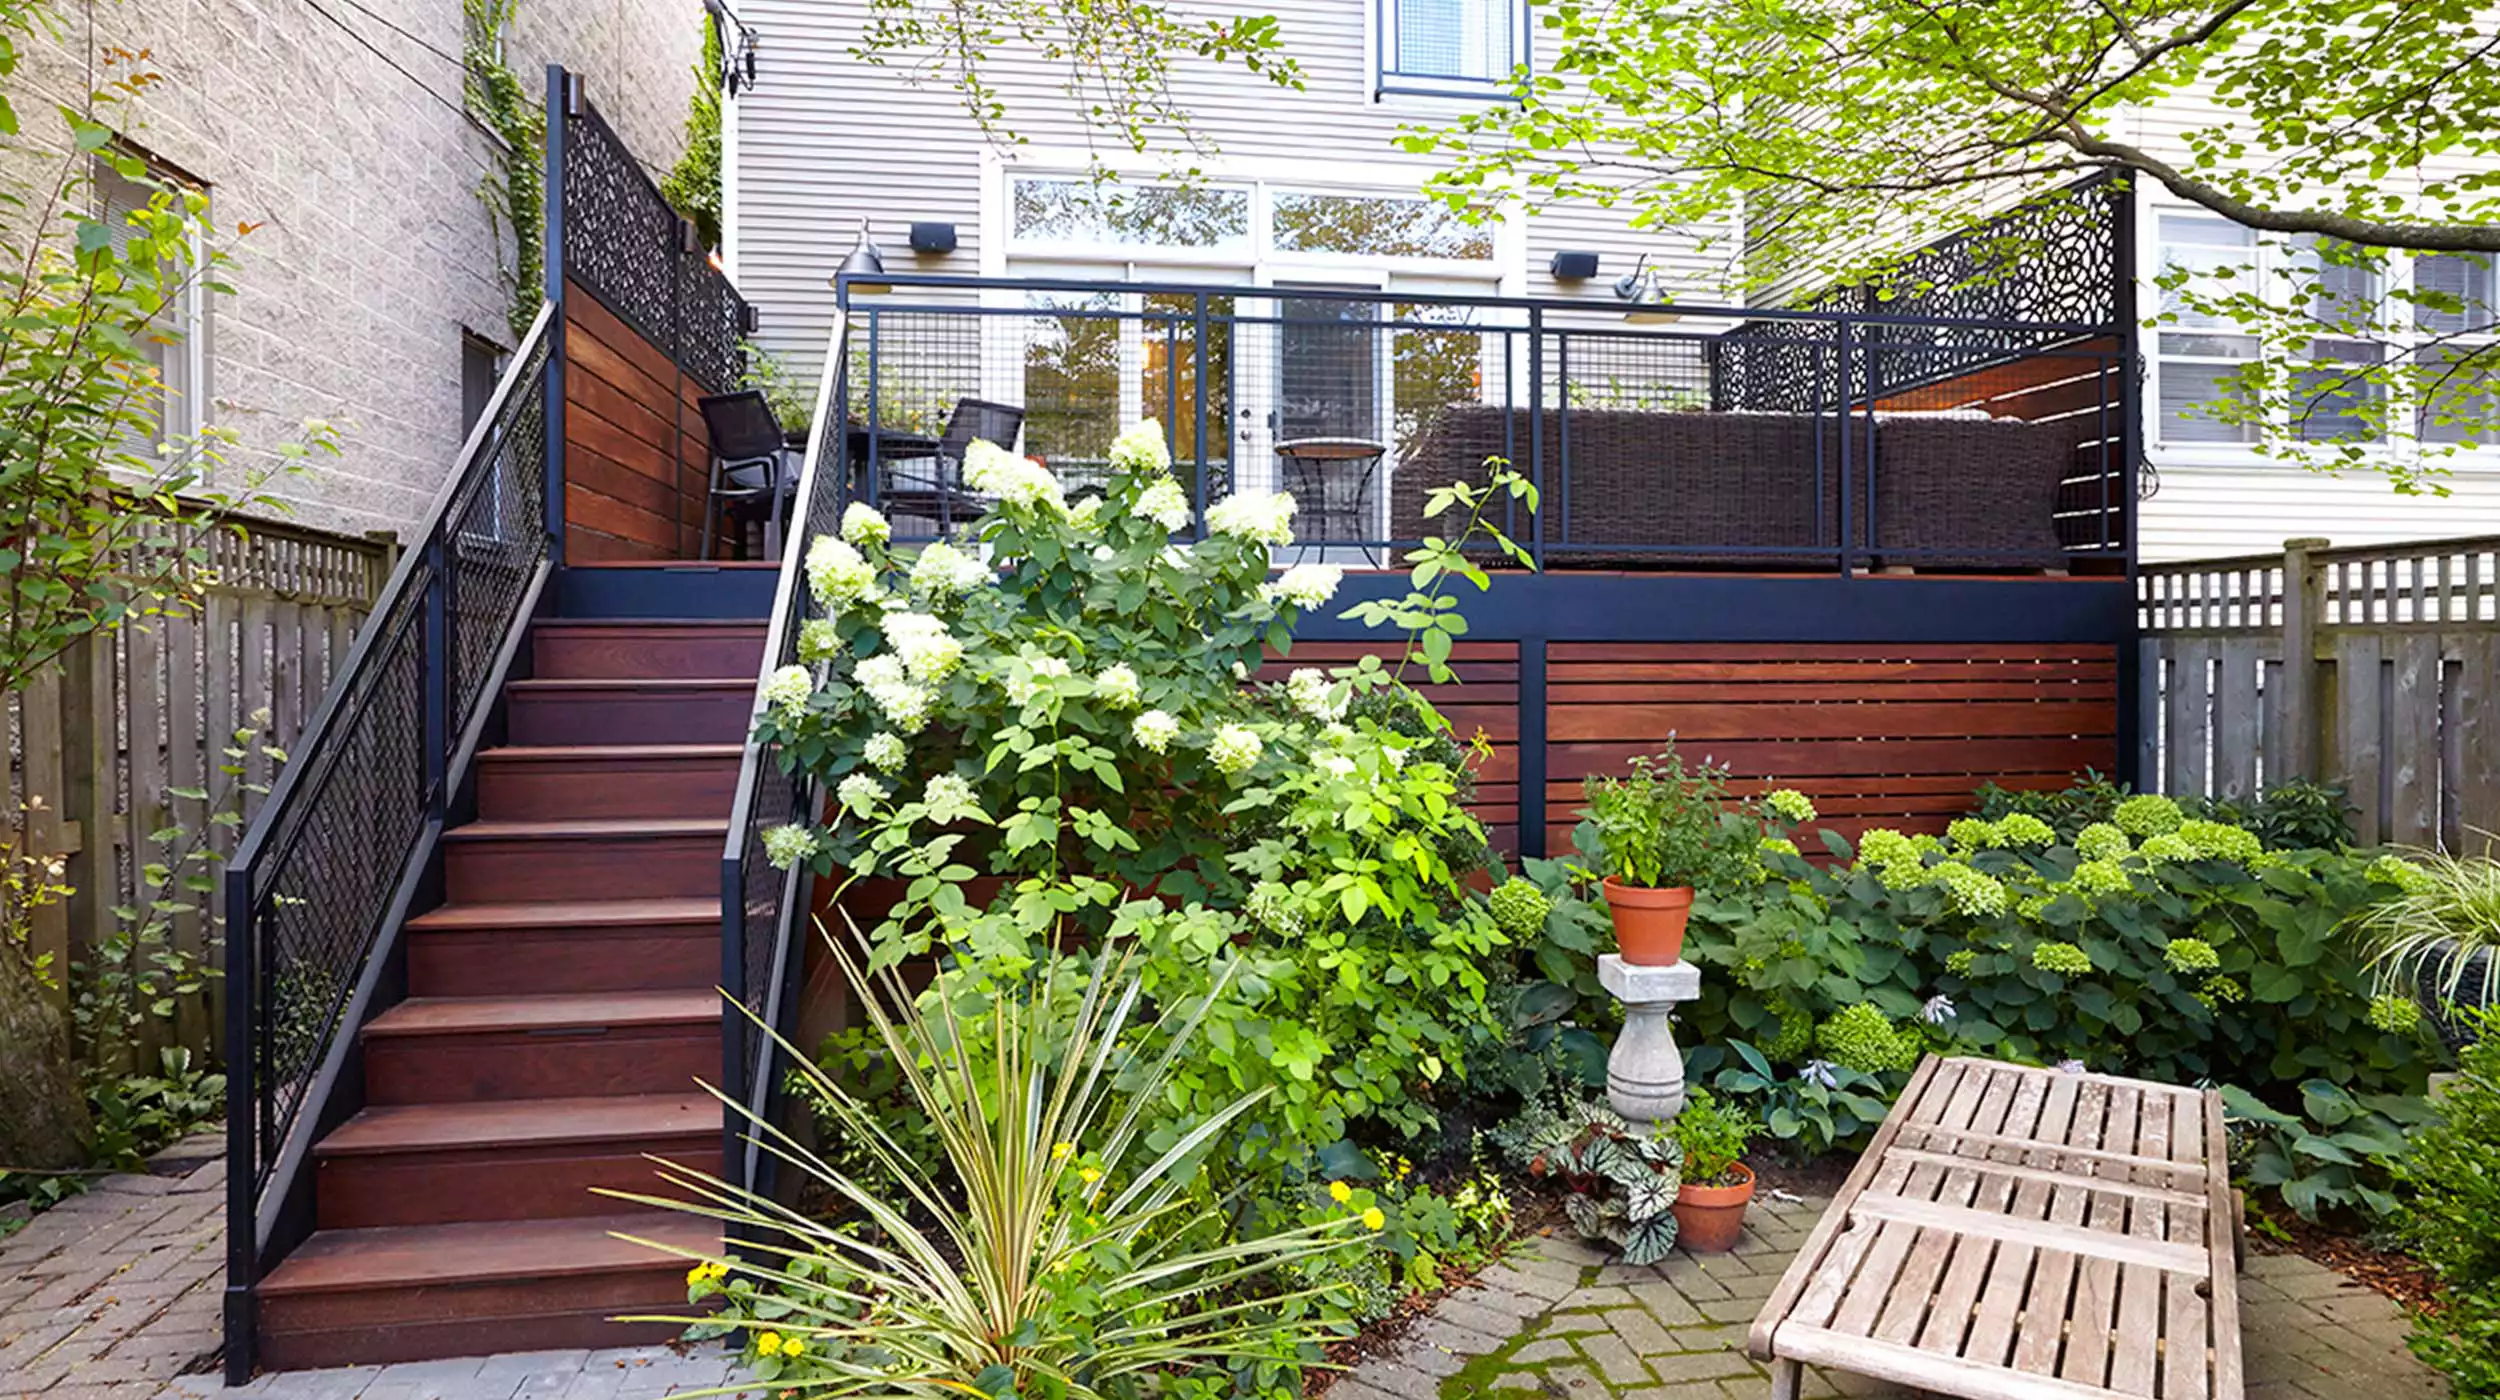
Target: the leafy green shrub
(2176, 950)
(1658, 826)
(1712, 1134)
(2451, 1221)
(2292, 814)
(2437, 934)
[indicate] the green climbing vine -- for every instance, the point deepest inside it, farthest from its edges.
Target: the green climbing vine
(517, 194)
(693, 186)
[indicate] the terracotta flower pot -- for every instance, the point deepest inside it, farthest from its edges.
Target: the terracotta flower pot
(1711, 1219)
(1649, 924)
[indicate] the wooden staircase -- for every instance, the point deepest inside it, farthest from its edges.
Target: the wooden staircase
(560, 1005)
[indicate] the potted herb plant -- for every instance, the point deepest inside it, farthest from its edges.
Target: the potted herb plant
(1654, 834)
(1717, 1185)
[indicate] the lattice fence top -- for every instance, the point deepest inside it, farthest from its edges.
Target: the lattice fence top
(625, 245)
(2427, 584)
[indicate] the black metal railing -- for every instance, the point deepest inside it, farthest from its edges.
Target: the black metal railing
(616, 236)
(764, 911)
(1678, 437)
(319, 885)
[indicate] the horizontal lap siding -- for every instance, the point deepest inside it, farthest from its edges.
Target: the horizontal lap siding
(1484, 700)
(637, 461)
(1878, 735)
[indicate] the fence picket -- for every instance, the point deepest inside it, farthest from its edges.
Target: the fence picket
(2412, 759)
(2478, 738)
(2235, 717)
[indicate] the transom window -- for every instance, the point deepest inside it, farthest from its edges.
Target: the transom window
(1452, 48)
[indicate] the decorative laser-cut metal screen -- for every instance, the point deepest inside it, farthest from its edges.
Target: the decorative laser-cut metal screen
(621, 242)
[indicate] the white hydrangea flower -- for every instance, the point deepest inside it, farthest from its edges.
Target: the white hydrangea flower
(1336, 765)
(1081, 515)
(1311, 692)
(943, 572)
(1166, 504)
(1155, 730)
(838, 576)
(819, 639)
(929, 653)
(877, 672)
(949, 797)
(1233, 750)
(859, 794)
(889, 688)
(786, 846)
(1305, 586)
(884, 751)
(1240, 672)
(1139, 448)
(863, 524)
(1395, 753)
(1338, 732)
(1018, 481)
(1117, 685)
(787, 689)
(1263, 517)
(1027, 682)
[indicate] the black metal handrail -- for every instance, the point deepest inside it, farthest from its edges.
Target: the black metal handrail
(764, 910)
(330, 868)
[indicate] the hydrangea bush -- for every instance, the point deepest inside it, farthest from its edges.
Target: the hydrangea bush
(1053, 732)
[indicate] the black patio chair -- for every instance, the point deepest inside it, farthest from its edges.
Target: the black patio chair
(932, 487)
(751, 477)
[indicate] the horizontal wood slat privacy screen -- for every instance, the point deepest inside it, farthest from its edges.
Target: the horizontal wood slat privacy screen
(2377, 667)
(636, 458)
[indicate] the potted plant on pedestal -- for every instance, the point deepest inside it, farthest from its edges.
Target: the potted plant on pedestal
(1717, 1185)
(1653, 834)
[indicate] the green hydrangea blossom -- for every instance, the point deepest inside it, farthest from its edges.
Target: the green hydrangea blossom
(2167, 846)
(2396, 1015)
(2220, 840)
(2187, 955)
(2062, 958)
(1907, 874)
(2101, 841)
(1519, 907)
(1928, 841)
(1862, 1038)
(2220, 988)
(2147, 815)
(1885, 846)
(1778, 845)
(2021, 830)
(1795, 1034)
(1960, 961)
(2095, 878)
(2402, 873)
(2035, 906)
(1978, 895)
(1789, 805)
(1971, 834)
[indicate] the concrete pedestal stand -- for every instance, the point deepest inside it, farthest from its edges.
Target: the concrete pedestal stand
(1645, 1072)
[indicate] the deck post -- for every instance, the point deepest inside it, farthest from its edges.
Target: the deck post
(563, 95)
(242, 1130)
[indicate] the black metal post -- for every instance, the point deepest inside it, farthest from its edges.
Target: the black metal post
(876, 414)
(437, 663)
(1848, 516)
(1536, 432)
(242, 1129)
(561, 96)
(1198, 396)
(1562, 433)
(1532, 727)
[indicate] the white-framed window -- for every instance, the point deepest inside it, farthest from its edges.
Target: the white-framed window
(1451, 48)
(179, 351)
(2453, 395)
(1240, 223)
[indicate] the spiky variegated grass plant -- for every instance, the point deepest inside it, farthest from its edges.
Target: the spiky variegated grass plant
(1055, 1254)
(2442, 917)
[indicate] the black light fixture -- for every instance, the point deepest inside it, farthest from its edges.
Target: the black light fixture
(1572, 266)
(864, 267)
(933, 238)
(737, 64)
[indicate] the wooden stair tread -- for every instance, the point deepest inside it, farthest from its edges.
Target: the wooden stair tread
(629, 684)
(559, 913)
(485, 1251)
(566, 1011)
(566, 753)
(629, 1119)
(576, 828)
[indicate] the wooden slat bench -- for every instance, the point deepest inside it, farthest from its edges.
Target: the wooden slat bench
(2025, 1234)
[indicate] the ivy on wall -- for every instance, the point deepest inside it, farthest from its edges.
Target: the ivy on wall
(516, 193)
(693, 186)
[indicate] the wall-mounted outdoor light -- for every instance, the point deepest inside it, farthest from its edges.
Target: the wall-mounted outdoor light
(933, 238)
(1641, 287)
(1569, 266)
(864, 267)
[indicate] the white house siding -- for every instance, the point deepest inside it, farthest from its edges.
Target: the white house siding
(824, 139)
(374, 252)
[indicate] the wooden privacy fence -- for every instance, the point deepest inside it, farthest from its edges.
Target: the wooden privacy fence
(2377, 667)
(106, 736)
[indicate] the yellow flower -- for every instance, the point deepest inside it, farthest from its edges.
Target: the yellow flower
(1339, 1192)
(1063, 1151)
(1088, 1175)
(1373, 1219)
(699, 1273)
(768, 1343)
(793, 1346)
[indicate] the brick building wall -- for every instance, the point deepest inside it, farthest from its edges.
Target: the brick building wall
(335, 125)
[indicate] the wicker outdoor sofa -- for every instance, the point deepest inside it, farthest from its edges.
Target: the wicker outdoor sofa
(1748, 489)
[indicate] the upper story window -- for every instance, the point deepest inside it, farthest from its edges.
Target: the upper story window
(1452, 48)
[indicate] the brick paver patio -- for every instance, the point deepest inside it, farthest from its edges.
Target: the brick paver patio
(113, 1295)
(1560, 1320)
